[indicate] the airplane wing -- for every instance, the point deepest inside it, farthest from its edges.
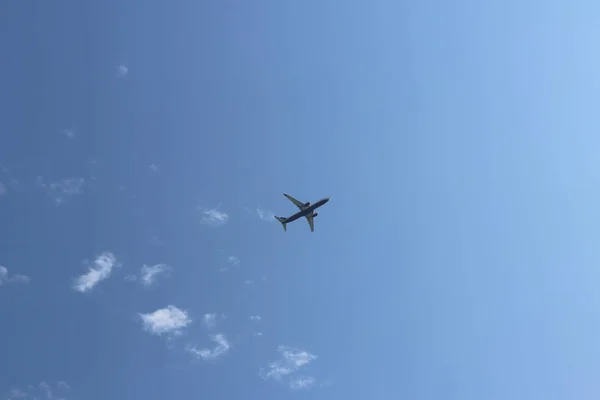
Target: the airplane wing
(311, 222)
(298, 204)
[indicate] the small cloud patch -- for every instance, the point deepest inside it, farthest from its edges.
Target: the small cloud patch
(150, 274)
(62, 189)
(38, 392)
(98, 272)
(265, 215)
(122, 71)
(291, 361)
(210, 320)
(69, 133)
(222, 347)
(233, 260)
(302, 383)
(169, 320)
(6, 278)
(213, 217)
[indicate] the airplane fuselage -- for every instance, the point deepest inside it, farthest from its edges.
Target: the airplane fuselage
(307, 211)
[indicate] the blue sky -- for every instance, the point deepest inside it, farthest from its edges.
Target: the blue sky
(145, 146)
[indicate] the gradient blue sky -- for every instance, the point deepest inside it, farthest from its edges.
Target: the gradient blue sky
(457, 259)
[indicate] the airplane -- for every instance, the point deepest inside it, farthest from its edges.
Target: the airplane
(306, 210)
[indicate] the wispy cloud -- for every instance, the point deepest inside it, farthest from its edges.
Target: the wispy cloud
(304, 382)
(46, 389)
(169, 320)
(98, 272)
(291, 360)
(42, 390)
(149, 274)
(62, 189)
(213, 216)
(255, 318)
(210, 320)
(69, 133)
(153, 167)
(222, 347)
(6, 278)
(3, 189)
(122, 71)
(233, 260)
(265, 215)
(16, 394)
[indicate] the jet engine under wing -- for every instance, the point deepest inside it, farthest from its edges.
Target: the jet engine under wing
(311, 222)
(298, 204)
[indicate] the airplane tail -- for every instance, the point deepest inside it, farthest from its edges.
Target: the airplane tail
(282, 220)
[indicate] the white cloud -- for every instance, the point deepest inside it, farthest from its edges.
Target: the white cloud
(302, 383)
(101, 270)
(258, 334)
(290, 362)
(40, 391)
(210, 320)
(249, 282)
(5, 277)
(168, 320)
(255, 318)
(149, 274)
(220, 349)
(46, 389)
(233, 260)
(3, 189)
(122, 70)
(62, 189)
(265, 215)
(213, 216)
(153, 167)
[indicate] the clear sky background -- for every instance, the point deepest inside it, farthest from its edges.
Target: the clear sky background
(458, 257)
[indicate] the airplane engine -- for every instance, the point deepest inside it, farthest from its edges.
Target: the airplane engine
(315, 214)
(307, 204)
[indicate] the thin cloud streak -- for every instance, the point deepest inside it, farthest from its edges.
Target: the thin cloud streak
(291, 360)
(265, 215)
(150, 274)
(100, 271)
(213, 216)
(6, 278)
(219, 350)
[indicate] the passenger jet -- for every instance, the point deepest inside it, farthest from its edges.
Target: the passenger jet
(306, 210)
